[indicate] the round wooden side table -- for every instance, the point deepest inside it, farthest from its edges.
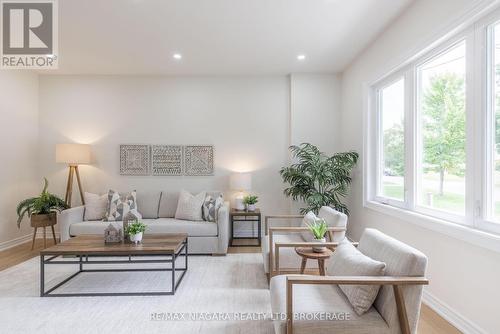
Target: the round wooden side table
(308, 253)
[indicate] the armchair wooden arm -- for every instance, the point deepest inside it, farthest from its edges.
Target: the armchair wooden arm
(274, 265)
(396, 282)
(267, 218)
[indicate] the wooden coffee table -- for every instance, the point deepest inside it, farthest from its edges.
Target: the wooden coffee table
(88, 248)
(308, 253)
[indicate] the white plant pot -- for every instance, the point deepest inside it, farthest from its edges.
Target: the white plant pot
(319, 249)
(251, 207)
(137, 238)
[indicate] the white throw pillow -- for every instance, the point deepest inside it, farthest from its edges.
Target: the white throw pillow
(189, 206)
(120, 204)
(95, 206)
(347, 260)
(309, 218)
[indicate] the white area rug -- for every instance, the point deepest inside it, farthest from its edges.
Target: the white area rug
(234, 284)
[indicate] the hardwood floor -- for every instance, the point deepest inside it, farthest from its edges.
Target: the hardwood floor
(430, 322)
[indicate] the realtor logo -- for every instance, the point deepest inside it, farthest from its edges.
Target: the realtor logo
(29, 39)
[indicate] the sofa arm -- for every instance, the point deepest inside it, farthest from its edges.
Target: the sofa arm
(223, 227)
(66, 218)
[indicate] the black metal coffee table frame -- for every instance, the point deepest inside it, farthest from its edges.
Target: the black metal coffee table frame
(83, 259)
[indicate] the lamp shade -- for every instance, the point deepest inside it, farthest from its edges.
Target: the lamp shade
(73, 154)
(240, 181)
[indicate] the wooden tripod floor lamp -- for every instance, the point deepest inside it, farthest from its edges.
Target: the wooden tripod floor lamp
(73, 155)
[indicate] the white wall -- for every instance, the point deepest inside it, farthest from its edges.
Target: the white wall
(247, 119)
(461, 275)
(18, 147)
(315, 110)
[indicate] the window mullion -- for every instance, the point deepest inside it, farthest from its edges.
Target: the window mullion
(410, 138)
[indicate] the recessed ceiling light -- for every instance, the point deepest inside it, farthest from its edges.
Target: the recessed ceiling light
(301, 57)
(177, 56)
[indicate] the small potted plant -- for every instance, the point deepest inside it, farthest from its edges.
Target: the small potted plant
(250, 202)
(318, 229)
(42, 209)
(135, 231)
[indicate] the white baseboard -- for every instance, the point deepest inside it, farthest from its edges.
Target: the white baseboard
(14, 242)
(25, 238)
(452, 316)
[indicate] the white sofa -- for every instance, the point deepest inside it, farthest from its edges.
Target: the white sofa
(158, 211)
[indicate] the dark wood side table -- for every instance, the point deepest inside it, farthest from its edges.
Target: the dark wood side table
(245, 216)
(308, 253)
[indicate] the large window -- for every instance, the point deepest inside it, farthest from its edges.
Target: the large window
(433, 125)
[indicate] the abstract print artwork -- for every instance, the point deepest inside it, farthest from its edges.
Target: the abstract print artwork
(199, 160)
(167, 160)
(135, 160)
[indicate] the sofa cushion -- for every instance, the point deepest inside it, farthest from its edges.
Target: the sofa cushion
(168, 204)
(334, 218)
(348, 261)
(309, 218)
(321, 299)
(154, 226)
(189, 206)
(96, 227)
(95, 206)
(192, 228)
(148, 203)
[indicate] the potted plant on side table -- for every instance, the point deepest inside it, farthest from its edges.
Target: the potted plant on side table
(42, 210)
(318, 229)
(135, 231)
(250, 202)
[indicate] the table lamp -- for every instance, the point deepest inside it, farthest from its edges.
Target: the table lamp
(73, 155)
(240, 182)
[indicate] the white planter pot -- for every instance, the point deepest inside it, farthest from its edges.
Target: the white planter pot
(319, 249)
(137, 238)
(251, 207)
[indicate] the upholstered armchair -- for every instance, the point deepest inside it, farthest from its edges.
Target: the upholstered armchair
(396, 307)
(279, 242)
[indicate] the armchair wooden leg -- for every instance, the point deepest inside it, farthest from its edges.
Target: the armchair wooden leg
(289, 308)
(400, 304)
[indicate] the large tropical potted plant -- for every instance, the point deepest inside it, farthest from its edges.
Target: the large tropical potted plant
(317, 179)
(42, 209)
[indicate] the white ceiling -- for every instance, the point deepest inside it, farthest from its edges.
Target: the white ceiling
(217, 37)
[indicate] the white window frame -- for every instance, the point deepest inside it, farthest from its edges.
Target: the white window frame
(486, 120)
(467, 37)
(478, 142)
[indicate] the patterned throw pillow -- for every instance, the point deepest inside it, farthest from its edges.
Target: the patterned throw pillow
(121, 204)
(211, 208)
(189, 206)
